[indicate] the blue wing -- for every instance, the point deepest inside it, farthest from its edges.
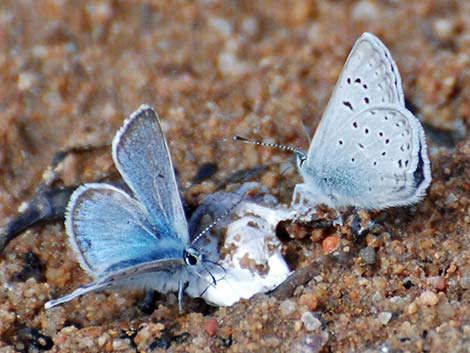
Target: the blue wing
(141, 155)
(111, 231)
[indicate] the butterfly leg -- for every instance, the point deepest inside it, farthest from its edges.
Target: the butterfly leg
(180, 296)
(339, 220)
(298, 197)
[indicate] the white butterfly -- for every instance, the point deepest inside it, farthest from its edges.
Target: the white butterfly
(368, 151)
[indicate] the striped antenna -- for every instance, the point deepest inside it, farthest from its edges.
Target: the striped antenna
(297, 151)
(217, 220)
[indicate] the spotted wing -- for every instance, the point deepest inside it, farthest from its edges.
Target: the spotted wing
(369, 78)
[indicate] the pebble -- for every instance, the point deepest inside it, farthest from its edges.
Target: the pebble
(437, 282)
(211, 327)
(365, 11)
(411, 308)
(443, 28)
(368, 255)
(330, 244)
(310, 300)
(384, 317)
(310, 322)
(287, 307)
(428, 298)
(465, 281)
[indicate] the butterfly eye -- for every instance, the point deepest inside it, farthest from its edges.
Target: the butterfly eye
(191, 258)
(301, 158)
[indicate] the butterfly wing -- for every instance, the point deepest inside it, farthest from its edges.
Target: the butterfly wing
(383, 162)
(369, 78)
(161, 275)
(141, 155)
(111, 231)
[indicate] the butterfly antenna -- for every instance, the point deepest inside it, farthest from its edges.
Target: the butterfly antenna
(217, 220)
(218, 265)
(214, 280)
(267, 144)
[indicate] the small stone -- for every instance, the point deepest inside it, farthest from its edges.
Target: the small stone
(221, 26)
(384, 317)
(103, 339)
(443, 28)
(120, 344)
(437, 282)
(411, 308)
(211, 327)
(310, 322)
(310, 300)
(365, 11)
(368, 255)
(465, 281)
(250, 26)
(288, 307)
(428, 298)
(330, 244)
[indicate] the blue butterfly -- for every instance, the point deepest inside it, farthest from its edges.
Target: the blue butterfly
(139, 241)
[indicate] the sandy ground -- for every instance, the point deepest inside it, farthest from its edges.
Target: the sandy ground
(71, 72)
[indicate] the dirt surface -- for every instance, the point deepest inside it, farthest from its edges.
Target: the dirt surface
(72, 71)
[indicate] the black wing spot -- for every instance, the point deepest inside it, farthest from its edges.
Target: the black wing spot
(366, 130)
(385, 117)
(348, 80)
(357, 80)
(353, 159)
(381, 134)
(360, 145)
(387, 141)
(418, 174)
(406, 163)
(355, 125)
(384, 153)
(365, 86)
(348, 104)
(340, 142)
(397, 124)
(375, 163)
(400, 163)
(366, 99)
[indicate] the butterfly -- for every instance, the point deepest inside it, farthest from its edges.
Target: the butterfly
(369, 150)
(139, 240)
